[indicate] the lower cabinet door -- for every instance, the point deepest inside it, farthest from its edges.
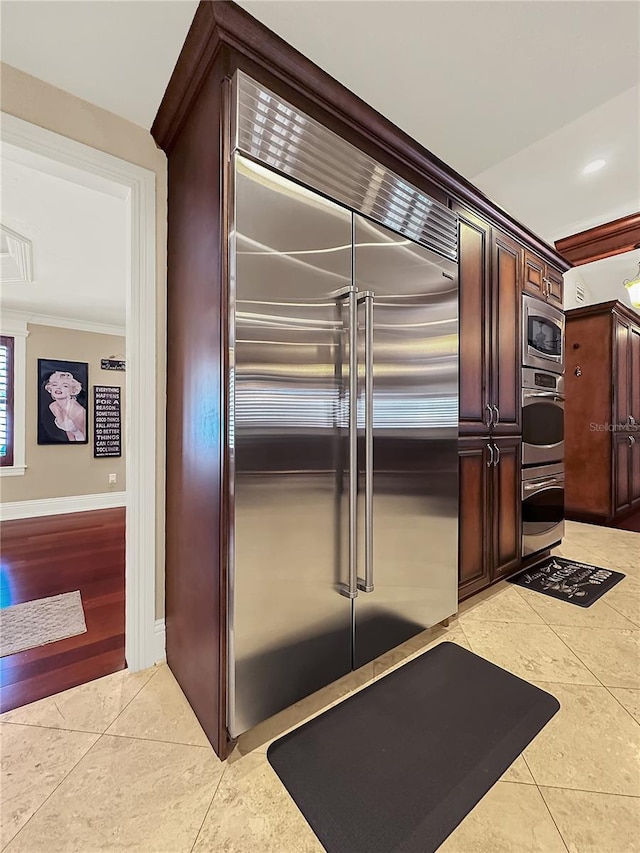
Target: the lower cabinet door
(622, 473)
(474, 535)
(635, 470)
(506, 507)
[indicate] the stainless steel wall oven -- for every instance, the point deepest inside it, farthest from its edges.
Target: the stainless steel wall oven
(542, 417)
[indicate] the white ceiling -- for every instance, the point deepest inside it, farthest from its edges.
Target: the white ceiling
(118, 54)
(515, 95)
(603, 280)
(79, 238)
(543, 185)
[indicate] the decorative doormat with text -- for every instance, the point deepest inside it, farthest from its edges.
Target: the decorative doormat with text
(568, 580)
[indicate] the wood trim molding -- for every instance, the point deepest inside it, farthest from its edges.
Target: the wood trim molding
(221, 24)
(603, 241)
(605, 308)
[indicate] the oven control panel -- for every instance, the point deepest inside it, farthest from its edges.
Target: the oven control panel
(542, 380)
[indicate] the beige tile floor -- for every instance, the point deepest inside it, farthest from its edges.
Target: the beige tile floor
(122, 764)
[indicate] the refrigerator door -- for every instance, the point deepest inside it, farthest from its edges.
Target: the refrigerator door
(413, 485)
(290, 621)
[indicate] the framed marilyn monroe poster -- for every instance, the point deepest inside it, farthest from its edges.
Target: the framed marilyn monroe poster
(62, 401)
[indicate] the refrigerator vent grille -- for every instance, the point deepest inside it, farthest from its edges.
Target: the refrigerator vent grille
(271, 131)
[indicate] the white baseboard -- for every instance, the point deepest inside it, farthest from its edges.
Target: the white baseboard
(160, 641)
(60, 506)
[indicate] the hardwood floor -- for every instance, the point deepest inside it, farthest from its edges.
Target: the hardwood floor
(55, 554)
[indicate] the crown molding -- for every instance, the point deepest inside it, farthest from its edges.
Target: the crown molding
(21, 318)
(223, 30)
(603, 241)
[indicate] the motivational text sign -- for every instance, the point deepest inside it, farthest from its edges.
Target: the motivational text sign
(107, 421)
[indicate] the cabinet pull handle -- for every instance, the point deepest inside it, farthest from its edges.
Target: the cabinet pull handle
(632, 440)
(490, 410)
(632, 420)
(490, 462)
(496, 463)
(497, 417)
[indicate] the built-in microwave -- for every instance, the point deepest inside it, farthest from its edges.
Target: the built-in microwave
(542, 335)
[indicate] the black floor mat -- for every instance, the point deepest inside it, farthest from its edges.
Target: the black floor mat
(568, 580)
(397, 766)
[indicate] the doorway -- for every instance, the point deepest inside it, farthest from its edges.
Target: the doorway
(62, 158)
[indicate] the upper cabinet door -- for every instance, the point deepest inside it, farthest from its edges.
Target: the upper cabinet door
(555, 287)
(621, 371)
(506, 369)
(634, 353)
(475, 326)
(534, 275)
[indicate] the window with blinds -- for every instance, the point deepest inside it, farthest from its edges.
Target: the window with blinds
(6, 400)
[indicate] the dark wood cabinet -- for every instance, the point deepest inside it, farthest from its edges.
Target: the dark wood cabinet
(473, 561)
(622, 447)
(507, 507)
(506, 257)
(190, 129)
(489, 275)
(533, 275)
(490, 511)
(475, 325)
(542, 280)
(555, 287)
(621, 369)
(634, 471)
(634, 373)
(602, 411)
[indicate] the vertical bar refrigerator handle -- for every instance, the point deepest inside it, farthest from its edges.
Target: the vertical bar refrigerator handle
(367, 584)
(352, 591)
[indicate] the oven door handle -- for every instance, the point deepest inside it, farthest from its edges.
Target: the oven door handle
(549, 395)
(543, 484)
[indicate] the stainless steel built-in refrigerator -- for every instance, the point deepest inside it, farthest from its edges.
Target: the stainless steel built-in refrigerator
(343, 411)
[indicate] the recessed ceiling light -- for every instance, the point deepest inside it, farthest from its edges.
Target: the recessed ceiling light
(594, 166)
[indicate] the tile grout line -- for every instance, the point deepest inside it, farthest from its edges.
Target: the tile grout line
(613, 607)
(65, 728)
(591, 791)
(464, 634)
(206, 814)
(600, 682)
(110, 734)
(135, 696)
(64, 779)
(546, 805)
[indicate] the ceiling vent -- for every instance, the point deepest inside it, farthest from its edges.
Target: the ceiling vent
(16, 257)
(580, 293)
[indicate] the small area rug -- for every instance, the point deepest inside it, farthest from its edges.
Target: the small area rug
(37, 623)
(398, 765)
(568, 580)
